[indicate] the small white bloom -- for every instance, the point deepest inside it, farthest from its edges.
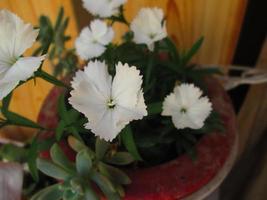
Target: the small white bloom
(103, 8)
(186, 107)
(15, 38)
(92, 40)
(108, 104)
(148, 27)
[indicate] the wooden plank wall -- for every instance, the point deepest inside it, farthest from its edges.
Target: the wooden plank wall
(28, 99)
(218, 21)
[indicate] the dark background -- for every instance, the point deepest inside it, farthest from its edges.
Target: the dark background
(250, 42)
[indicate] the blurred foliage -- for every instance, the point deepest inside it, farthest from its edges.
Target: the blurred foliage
(63, 60)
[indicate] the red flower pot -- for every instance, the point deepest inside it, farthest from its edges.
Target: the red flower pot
(182, 177)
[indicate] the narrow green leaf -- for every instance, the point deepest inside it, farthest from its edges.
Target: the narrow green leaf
(60, 130)
(129, 143)
(172, 48)
(120, 158)
(101, 148)
(83, 163)
(51, 169)
(19, 120)
(49, 78)
(31, 159)
(207, 71)
(61, 159)
(194, 49)
(59, 18)
(114, 174)
(5, 103)
(62, 110)
(154, 108)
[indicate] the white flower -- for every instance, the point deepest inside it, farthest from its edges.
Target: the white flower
(108, 104)
(148, 27)
(103, 8)
(92, 40)
(186, 107)
(15, 38)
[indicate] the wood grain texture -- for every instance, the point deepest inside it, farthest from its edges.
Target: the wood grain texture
(187, 20)
(252, 118)
(28, 98)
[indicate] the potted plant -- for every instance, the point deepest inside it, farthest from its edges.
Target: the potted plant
(138, 121)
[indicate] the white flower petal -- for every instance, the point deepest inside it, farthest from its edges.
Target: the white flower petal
(15, 35)
(93, 95)
(22, 69)
(186, 107)
(88, 50)
(88, 101)
(15, 38)
(170, 105)
(98, 28)
(182, 121)
(103, 8)
(91, 92)
(148, 28)
(98, 76)
(6, 88)
(91, 41)
(187, 94)
(106, 128)
(200, 111)
(126, 85)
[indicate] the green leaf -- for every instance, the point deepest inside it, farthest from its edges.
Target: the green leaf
(83, 163)
(62, 110)
(70, 195)
(59, 18)
(13, 153)
(190, 150)
(105, 185)
(49, 78)
(52, 192)
(19, 120)
(114, 174)
(31, 159)
(61, 159)
(194, 49)
(51, 169)
(120, 158)
(101, 148)
(5, 103)
(207, 71)
(60, 130)
(73, 115)
(172, 48)
(154, 108)
(90, 194)
(129, 143)
(75, 144)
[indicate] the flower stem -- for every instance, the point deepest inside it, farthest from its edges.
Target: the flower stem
(150, 66)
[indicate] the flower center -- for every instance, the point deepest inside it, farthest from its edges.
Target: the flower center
(12, 61)
(111, 104)
(152, 35)
(183, 110)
